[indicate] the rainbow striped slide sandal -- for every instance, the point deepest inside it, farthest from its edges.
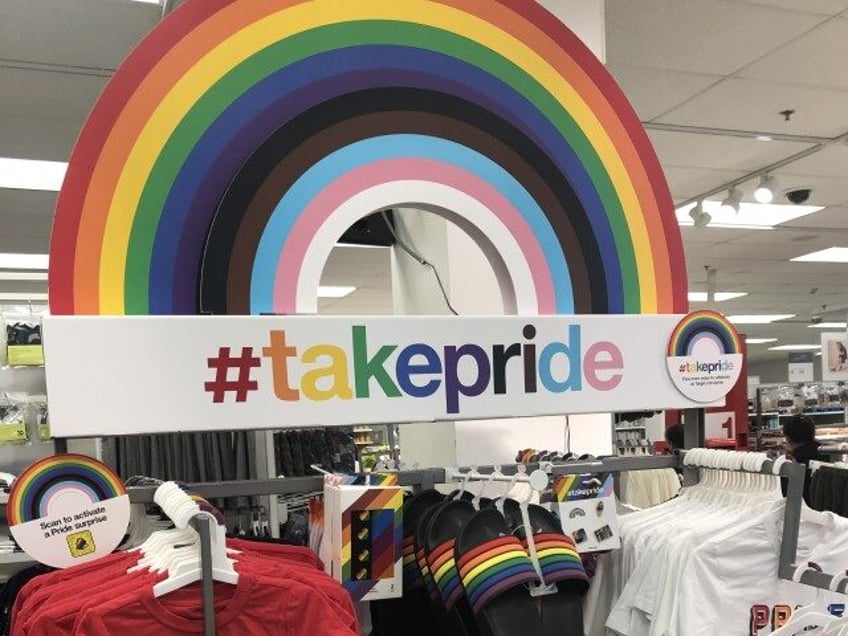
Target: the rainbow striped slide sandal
(446, 523)
(495, 572)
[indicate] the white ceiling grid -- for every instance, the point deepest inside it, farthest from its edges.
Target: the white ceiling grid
(695, 64)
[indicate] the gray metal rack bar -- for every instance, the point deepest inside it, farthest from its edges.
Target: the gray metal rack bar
(202, 525)
(425, 478)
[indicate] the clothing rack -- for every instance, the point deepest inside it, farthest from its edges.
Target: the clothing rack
(795, 475)
(202, 523)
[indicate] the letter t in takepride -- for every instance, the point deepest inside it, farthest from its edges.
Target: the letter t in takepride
(279, 352)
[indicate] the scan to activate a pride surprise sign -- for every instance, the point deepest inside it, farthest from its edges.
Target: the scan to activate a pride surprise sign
(68, 509)
(704, 356)
(228, 372)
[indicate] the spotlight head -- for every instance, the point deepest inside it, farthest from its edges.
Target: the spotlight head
(703, 220)
(699, 217)
(765, 191)
(734, 198)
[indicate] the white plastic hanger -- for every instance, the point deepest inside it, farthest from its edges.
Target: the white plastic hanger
(177, 551)
(187, 568)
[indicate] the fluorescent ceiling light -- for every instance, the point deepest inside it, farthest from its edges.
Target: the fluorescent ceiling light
(796, 347)
(29, 174)
(330, 291)
(149, 1)
(701, 297)
(829, 325)
(23, 296)
(751, 216)
(760, 340)
(758, 319)
(764, 138)
(830, 255)
(23, 261)
(23, 275)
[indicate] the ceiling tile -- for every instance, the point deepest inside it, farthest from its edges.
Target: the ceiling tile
(28, 138)
(825, 190)
(707, 151)
(746, 104)
(830, 220)
(824, 7)
(48, 95)
(817, 58)
(831, 161)
(686, 183)
(73, 33)
(654, 91)
(716, 37)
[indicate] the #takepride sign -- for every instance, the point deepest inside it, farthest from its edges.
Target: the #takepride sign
(191, 373)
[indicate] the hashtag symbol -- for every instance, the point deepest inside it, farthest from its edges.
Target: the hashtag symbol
(222, 384)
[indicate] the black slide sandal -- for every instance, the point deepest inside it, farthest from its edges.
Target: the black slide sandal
(495, 571)
(445, 524)
(562, 613)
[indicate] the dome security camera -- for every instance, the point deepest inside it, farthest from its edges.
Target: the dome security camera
(798, 196)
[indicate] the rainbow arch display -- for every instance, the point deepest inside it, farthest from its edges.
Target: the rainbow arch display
(58, 475)
(704, 325)
(238, 130)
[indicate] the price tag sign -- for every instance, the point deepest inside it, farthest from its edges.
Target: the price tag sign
(68, 509)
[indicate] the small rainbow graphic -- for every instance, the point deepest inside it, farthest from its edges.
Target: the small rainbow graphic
(34, 489)
(704, 325)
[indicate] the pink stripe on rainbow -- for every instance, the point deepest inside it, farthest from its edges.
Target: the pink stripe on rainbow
(331, 198)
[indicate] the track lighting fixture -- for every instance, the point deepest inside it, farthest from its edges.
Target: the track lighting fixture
(731, 203)
(699, 217)
(766, 190)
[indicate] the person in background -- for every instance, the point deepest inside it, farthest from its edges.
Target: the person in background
(801, 445)
(674, 437)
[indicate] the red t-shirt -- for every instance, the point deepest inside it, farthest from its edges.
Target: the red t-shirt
(54, 607)
(256, 606)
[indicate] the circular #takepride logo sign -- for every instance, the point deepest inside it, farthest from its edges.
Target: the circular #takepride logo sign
(704, 356)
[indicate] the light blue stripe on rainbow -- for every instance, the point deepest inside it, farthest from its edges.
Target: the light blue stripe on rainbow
(319, 177)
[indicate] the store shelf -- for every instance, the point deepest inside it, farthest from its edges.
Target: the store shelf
(629, 428)
(812, 413)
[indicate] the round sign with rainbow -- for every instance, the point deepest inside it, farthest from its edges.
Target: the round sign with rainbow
(68, 509)
(704, 356)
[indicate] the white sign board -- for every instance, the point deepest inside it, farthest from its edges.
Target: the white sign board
(146, 374)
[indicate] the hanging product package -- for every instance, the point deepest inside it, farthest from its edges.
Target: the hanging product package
(363, 537)
(23, 341)
(40, 417)
(585, 505)
(13, 418)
